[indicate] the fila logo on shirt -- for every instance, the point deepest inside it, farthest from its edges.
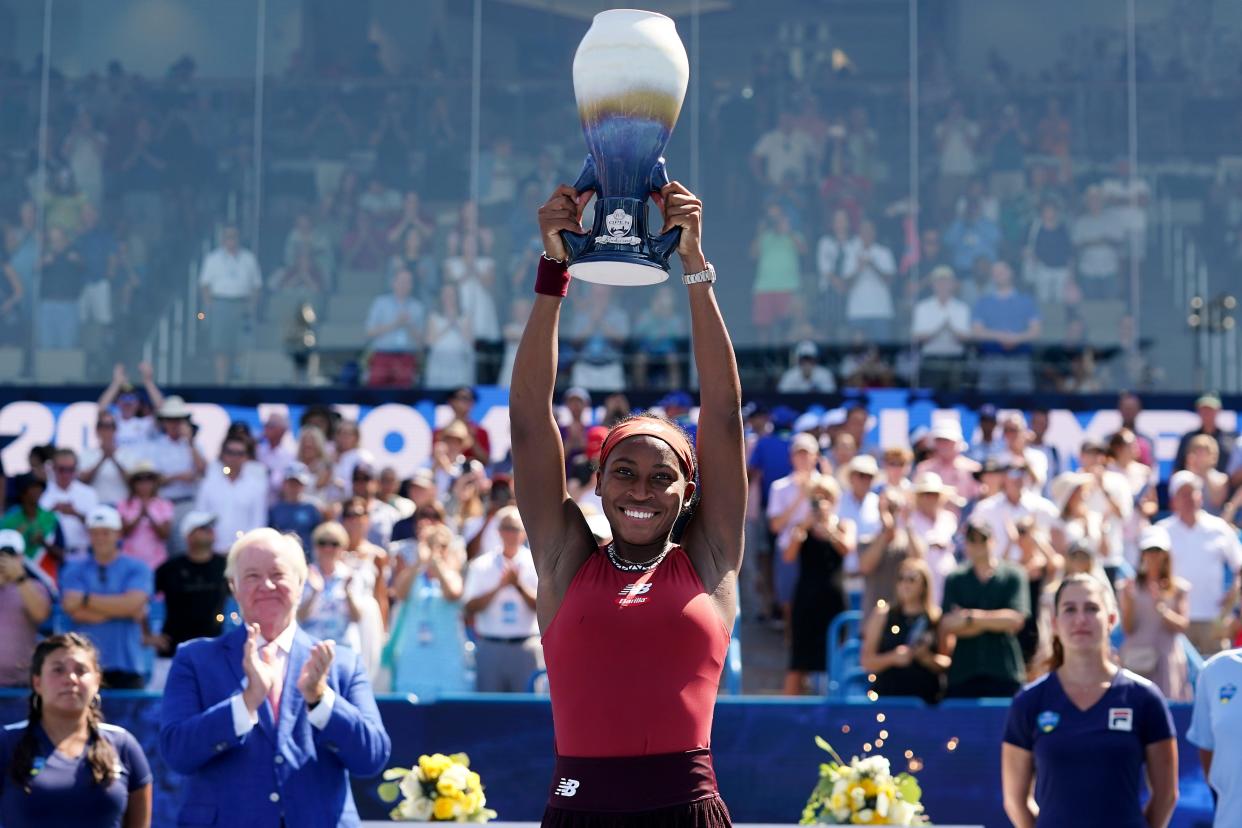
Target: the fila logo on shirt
(1121, 718)
(567, 787)
(630, 594)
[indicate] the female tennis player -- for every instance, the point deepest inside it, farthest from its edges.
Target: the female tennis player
(635, 633)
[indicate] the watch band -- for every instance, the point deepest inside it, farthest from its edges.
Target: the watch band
(707, 275)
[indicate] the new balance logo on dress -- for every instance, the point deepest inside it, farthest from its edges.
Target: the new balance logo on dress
(567, 787)
(632, 594)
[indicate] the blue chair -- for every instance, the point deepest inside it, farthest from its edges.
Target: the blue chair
(1194, 661)
(732, 678)
(844, 648)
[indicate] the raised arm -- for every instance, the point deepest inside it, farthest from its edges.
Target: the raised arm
(559, 536)
(119, 378)
(714, 537)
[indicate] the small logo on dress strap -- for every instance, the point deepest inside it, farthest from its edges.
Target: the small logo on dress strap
(567, 787)
(1121, 718)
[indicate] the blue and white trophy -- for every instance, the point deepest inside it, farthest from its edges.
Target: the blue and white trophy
(630, 76)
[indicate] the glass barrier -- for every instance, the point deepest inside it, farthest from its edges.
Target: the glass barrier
(845, 153)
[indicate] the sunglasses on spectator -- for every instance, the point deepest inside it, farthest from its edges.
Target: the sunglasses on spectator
(972, 535)
(327, 542)
(232, 452)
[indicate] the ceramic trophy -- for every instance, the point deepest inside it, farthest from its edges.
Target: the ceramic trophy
(630, 76)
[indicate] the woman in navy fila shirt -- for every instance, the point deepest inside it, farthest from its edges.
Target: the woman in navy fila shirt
(64, 767)
(1085, 730)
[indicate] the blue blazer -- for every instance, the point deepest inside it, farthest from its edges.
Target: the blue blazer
(293, 771)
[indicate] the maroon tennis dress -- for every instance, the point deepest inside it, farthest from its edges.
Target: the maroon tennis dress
(634, 662)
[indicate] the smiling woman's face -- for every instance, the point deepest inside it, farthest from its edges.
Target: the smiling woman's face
(643, 490)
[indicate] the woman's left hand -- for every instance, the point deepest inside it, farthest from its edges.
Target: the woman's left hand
(682, 208)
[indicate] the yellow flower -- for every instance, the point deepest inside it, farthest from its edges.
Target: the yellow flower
(443, 808)
(474, 781)
(868, 787)
(434, 765)
(474, 801)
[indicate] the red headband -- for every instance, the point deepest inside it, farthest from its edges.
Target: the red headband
(651, 427)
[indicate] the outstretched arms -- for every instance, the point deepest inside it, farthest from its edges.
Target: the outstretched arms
(716, 531)
(554, 524)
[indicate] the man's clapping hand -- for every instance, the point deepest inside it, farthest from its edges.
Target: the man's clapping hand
(314, 679)
(260, 675)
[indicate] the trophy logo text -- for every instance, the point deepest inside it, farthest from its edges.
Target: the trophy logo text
(618, 223)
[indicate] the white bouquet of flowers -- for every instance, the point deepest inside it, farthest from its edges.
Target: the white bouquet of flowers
(862, 792)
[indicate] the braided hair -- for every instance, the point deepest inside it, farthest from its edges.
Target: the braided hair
(100, 754)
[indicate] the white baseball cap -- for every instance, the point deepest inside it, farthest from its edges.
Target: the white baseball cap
(947, 430)
(196, 520)
(12, 539)
(1155, 537)
(104, 517)
(807, 422)
(804, 442)
(864, 464)
(1183, 478)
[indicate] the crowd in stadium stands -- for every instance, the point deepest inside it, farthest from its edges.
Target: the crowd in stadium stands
(951, 546)
(1021, 264)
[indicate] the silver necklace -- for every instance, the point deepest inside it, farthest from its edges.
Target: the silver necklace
(632, 566)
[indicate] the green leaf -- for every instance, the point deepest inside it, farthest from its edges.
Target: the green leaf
(389, 792)
(396, 773)
(909, 788)
(461, 759)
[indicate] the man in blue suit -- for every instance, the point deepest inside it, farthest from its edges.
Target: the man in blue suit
(265, 722)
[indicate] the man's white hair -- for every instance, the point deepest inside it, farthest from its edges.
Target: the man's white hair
(287, 545)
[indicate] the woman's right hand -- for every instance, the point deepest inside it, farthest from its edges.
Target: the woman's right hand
(562, 211)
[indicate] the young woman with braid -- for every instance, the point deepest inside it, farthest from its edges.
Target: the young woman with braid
(635, 633)
(65, 766)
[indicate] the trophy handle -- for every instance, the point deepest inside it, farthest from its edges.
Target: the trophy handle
(664, 244)
(576, 243)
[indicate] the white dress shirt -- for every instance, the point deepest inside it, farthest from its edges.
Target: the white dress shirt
(1200, 554)
(230, 276)
(931, 316)
(508, 615)
(244, 721)
(109, 482)
(239, 504)
(1000, 512)
(869, 295)
(83, 498)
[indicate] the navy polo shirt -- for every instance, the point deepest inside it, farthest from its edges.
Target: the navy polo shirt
(62, 791)
(1089, 763)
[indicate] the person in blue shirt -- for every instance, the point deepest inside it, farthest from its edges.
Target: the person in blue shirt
(106, 597)
(295, 512)
(1215, 728)
(1004, 323)
(1086, 730)
(64, 767)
